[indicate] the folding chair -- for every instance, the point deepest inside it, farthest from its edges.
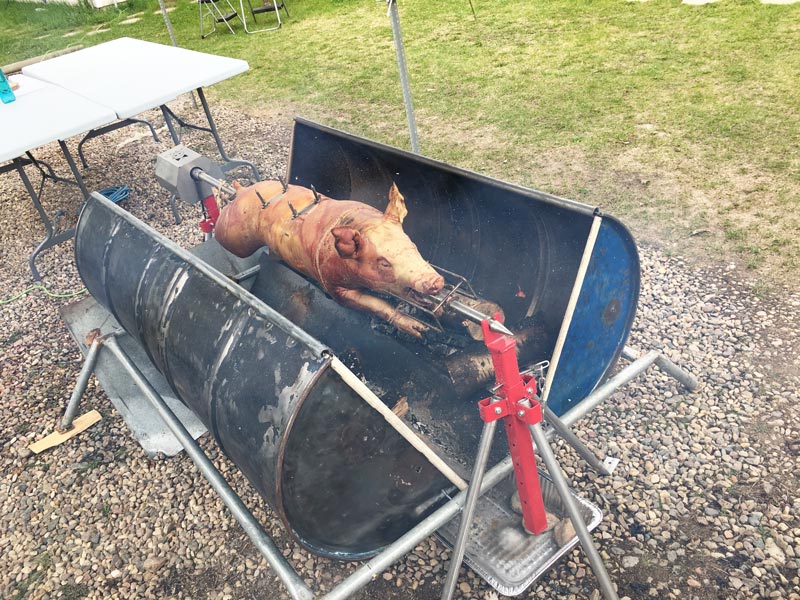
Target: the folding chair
(210, 8)
(268, 6)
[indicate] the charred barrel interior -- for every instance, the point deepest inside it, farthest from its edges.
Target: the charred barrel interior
(255, 356)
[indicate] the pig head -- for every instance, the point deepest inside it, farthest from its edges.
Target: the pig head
(349, 247)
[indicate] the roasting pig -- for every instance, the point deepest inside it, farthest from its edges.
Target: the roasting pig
(348, 247)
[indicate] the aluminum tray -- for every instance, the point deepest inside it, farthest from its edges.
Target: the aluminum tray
(498, 549)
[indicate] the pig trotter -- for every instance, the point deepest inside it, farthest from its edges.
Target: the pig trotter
(379, 308)
(408, 324)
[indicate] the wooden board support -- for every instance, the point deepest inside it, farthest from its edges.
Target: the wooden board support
(79, 425)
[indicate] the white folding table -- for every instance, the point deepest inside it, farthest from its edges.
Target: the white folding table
(97, 90)
(132, 76)
(44, 113)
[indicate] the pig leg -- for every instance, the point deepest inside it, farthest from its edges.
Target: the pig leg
(380, 308)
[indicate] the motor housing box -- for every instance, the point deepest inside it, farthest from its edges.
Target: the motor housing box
(174, 171)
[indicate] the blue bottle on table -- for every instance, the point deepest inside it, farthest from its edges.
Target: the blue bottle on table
(6, 95)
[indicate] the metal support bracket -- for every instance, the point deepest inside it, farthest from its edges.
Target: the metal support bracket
(518, 405)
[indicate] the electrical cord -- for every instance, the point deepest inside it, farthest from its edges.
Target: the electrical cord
(116, 193)
(27, 291)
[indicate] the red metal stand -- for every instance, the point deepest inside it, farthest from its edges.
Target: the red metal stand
(212, 211)
(515, 402)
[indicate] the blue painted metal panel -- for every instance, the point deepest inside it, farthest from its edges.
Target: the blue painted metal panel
(602, 319)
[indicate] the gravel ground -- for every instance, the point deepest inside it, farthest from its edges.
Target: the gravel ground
(705, 503)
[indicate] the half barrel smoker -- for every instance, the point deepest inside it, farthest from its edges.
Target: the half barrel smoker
(298, 391)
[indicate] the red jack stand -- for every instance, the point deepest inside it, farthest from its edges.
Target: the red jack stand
(515, 401)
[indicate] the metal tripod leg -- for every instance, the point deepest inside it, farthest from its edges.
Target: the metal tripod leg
(604, 467)
(666, 365)
(83, 380)
(460, 547)
(560, 482)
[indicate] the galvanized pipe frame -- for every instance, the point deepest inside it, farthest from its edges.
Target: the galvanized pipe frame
(395, 551)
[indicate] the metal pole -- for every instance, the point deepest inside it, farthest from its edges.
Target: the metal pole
(669, 367)
(397, 33)
(560, 482)
(577, 286)
(484, 446)
(80, 385)
(200, 175)
(577, 444)
(168, 23)
(632, 371)
(294, 584)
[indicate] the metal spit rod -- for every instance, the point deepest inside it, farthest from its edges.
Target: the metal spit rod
(200, 175)
(478, 317)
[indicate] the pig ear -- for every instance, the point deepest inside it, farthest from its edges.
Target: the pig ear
(396, 211)
(236, 185)
(348, 241)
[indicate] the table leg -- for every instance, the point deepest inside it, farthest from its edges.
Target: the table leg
(172, 133)
(230, 162)
(47, 172)
(74, 168)
(51, 238)
(109, 128)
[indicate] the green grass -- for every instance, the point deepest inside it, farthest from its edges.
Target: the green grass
(587, 99)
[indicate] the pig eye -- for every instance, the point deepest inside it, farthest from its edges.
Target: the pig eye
(384, 264)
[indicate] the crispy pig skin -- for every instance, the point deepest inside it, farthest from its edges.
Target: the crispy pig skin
(347, 246)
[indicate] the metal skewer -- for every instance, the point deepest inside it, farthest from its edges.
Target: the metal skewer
(478, 317)
(224, 186)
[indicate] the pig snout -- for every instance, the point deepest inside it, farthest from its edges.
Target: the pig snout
(431, 283)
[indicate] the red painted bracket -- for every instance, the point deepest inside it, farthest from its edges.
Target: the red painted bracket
(212, 210)
(515, 402)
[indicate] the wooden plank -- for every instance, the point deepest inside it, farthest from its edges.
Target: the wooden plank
(79, 425)
(19, 65)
